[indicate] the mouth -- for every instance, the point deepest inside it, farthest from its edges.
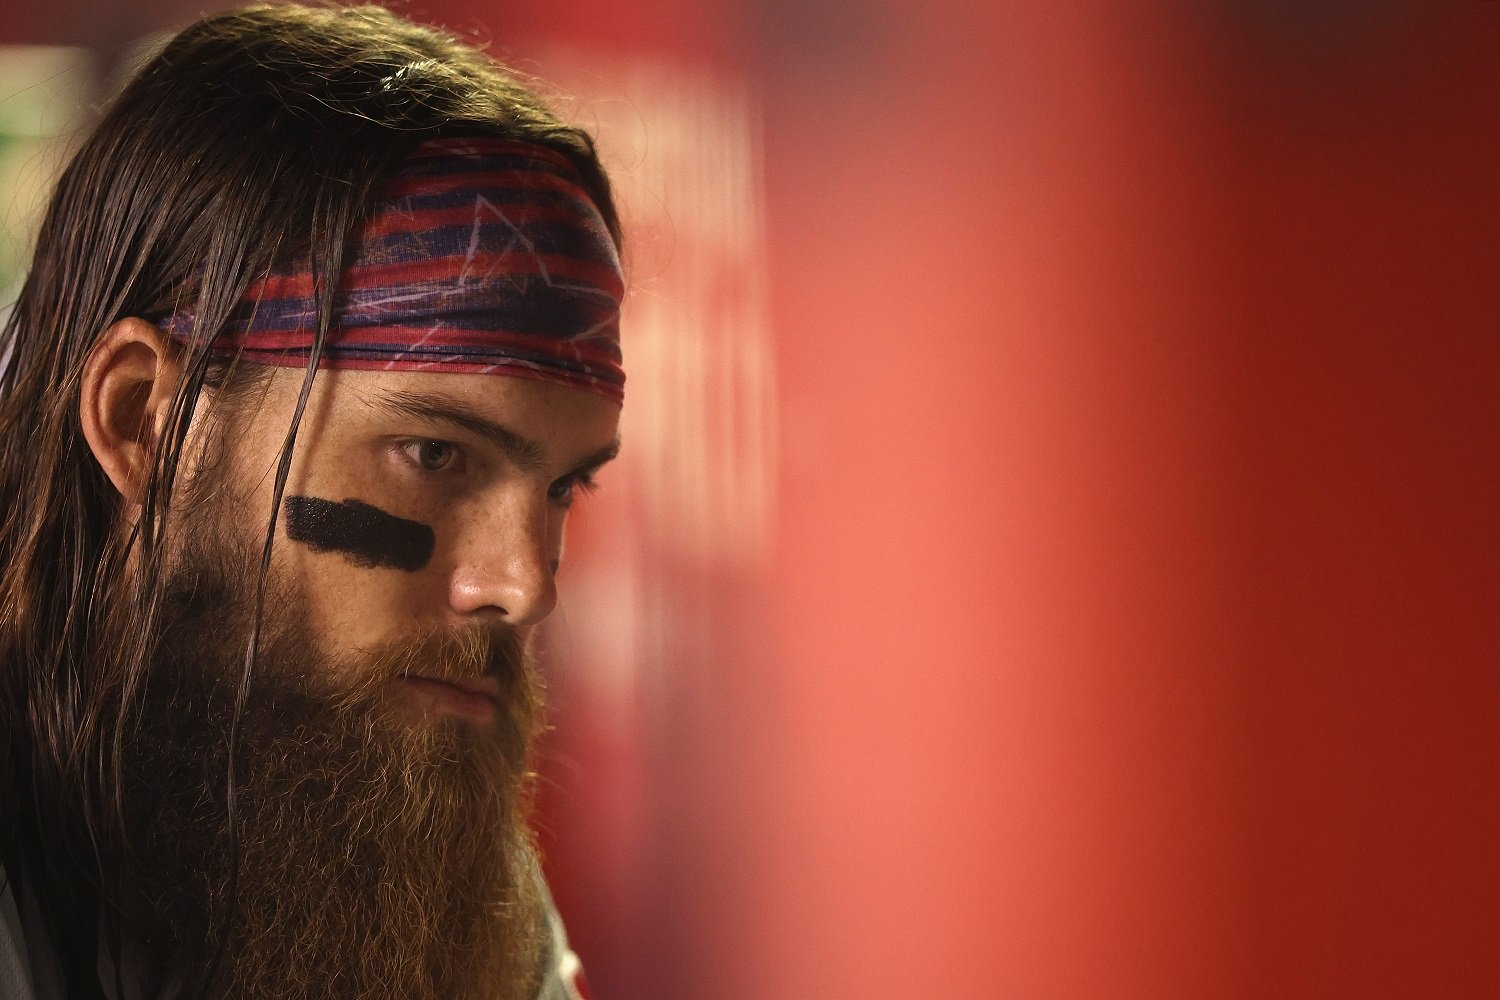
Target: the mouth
(473, 699)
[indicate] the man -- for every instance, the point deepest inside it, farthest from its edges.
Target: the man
(318, 346)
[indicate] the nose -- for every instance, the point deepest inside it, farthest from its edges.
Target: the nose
(507, 565)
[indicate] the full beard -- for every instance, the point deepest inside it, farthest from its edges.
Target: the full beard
(361, 853)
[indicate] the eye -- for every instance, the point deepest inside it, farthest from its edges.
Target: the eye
(566, 490)
(433, 456)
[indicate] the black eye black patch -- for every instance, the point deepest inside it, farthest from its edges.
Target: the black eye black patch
(367, 535)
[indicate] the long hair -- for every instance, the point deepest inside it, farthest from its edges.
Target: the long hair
(253, 137)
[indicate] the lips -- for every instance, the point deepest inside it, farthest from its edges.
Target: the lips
(475, 699)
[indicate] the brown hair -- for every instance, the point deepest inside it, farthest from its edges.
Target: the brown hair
(253, 136)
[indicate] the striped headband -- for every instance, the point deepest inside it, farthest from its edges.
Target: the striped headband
(479, 255)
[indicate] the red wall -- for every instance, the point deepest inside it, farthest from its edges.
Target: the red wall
(1135, 594)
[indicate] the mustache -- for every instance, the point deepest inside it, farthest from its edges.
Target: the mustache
(462, 654)
(491, 656)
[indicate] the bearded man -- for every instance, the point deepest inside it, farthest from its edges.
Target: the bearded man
(319, 344)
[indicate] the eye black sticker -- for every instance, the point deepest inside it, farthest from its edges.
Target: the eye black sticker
(366, 535)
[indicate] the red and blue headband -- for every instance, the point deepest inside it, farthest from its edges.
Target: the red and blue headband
(479, 255)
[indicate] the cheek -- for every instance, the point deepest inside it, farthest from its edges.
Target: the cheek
(347, 606)
(559, 540)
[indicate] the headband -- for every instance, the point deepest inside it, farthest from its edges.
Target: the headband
(479, 255)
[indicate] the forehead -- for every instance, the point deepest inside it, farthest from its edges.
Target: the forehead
(564, 422)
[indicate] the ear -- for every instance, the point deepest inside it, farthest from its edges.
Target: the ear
(128, 382)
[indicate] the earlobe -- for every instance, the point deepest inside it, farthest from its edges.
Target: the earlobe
(127, 386)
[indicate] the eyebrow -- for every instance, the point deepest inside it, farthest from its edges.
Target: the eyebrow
(524, 452)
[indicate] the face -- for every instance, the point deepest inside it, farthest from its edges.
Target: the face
(381, 806)
(418, 504)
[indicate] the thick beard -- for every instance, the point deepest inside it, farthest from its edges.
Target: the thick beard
(377, 855)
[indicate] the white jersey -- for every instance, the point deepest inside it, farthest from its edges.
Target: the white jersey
(564, 971)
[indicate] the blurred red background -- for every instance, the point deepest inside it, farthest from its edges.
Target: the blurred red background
(1103, 400)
